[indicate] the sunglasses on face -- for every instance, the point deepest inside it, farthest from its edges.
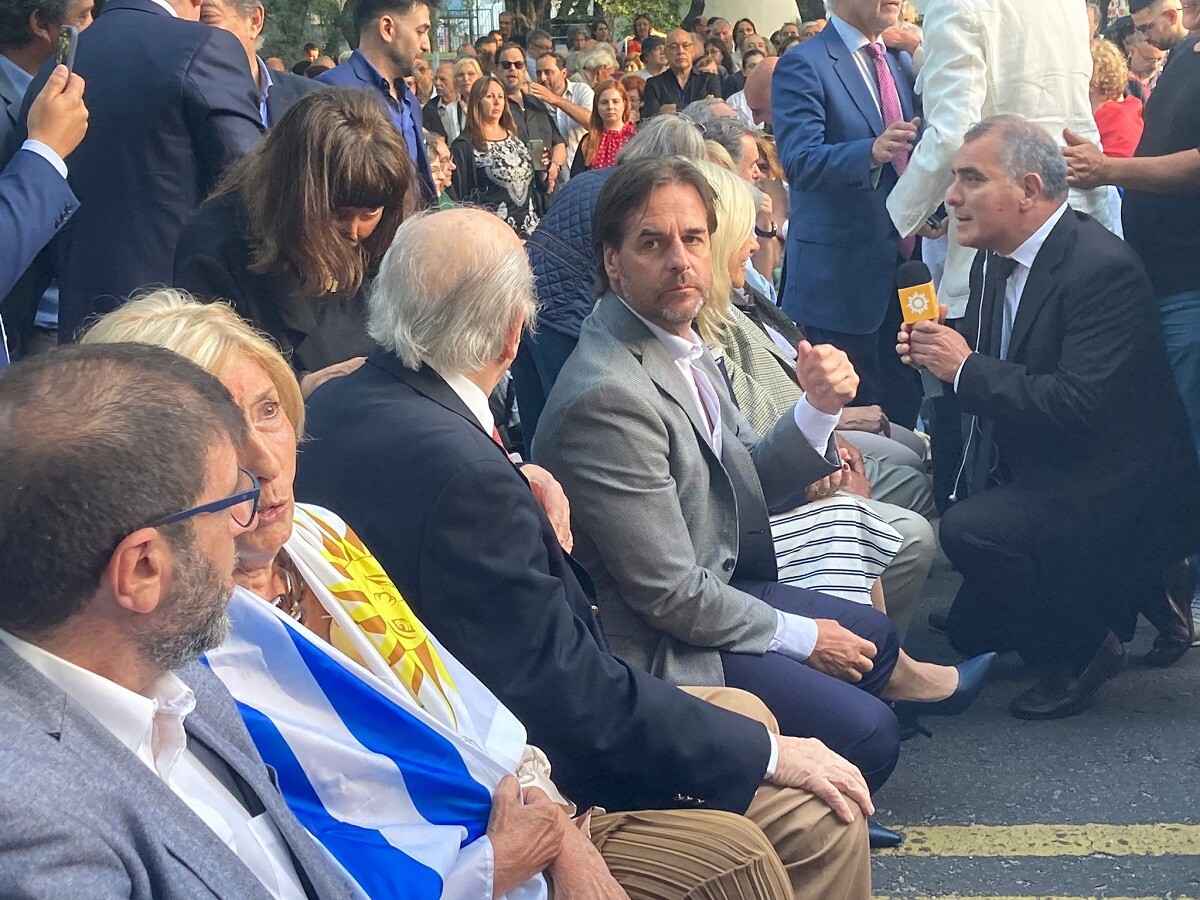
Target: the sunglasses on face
(512, 64)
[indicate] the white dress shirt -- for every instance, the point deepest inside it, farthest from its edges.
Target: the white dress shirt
(474, 398)
(167, 6)
(150, 725)
(1024, 257)
(795, 636)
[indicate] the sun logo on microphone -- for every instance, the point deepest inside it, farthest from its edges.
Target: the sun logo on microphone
(919, 304)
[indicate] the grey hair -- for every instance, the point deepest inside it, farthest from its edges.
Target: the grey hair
(576, 29)
(700, 111)
(537, 34)
(1025, 148)
(728, 133)
(669, 134)
(453, 317)
(600, 55)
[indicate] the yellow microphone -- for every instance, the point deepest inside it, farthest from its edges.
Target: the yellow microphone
(918, 303)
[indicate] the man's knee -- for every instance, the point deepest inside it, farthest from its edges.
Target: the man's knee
(736, 700)
(875, 745)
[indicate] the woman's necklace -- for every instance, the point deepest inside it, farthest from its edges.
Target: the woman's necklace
(291, 600)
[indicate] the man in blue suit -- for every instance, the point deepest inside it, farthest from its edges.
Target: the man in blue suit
(35, 199)
(845, 123)
(391, 35)
(172, 105)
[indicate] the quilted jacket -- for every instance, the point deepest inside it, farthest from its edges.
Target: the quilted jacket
(560, 252)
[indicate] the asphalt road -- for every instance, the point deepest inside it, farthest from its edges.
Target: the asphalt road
(1129, 767)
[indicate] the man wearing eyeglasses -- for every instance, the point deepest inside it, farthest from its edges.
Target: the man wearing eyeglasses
(126, 770)
(534, 119)
(681, 83)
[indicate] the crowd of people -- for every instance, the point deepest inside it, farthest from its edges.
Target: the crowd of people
(515, 474)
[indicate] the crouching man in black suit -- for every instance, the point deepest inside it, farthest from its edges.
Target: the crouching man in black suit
(1079, 480)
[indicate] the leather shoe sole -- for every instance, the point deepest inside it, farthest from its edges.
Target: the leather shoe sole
(1057, 696)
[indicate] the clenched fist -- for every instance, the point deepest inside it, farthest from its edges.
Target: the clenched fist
(826, 375)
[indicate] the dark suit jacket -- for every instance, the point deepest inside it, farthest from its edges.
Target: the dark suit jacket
(80, 813)
(213, 262)
(35, 202)
(171, 105)
(826, 122)
(285, 90)
(451, 520)
(1084, 409)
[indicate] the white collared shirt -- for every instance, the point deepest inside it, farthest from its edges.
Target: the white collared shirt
(150, 725)
(474, 398)
(167, 6)
(1024, 256)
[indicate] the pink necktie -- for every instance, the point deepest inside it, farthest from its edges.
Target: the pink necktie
(889, 104)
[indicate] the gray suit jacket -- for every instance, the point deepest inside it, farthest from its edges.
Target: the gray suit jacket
(81, 816)
(656, 519)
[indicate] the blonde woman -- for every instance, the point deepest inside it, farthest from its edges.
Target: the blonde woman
(835, 543)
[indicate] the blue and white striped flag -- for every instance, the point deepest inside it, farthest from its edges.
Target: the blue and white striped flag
(397, 798)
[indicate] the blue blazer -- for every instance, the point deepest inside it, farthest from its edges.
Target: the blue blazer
(171, 104)
(35, 202)
(357, 72)
(841, 245)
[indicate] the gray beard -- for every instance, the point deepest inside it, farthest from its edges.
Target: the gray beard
(193, 617)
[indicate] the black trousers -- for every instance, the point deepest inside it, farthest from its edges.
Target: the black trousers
(1023, 588)
(883, 380)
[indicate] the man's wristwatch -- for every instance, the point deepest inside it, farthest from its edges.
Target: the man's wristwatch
(774, 232)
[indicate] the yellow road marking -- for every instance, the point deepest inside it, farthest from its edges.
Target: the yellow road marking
(1160, 839)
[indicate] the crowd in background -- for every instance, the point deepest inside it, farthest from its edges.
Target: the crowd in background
(517, 473)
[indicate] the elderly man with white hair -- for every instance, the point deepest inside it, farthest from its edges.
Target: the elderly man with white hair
(404, 449)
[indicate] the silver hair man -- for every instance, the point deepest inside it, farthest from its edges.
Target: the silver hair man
(455, 311)
(1025, 148)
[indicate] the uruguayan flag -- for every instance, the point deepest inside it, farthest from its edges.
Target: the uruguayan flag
(399, 799)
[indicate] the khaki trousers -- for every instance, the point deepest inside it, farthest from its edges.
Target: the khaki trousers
(788, 844)
(824, 858)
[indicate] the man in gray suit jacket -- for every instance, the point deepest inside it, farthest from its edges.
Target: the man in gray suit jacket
(125, 770)
(670, 486)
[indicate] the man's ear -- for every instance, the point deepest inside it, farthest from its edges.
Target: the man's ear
(1032, 187)
(42, 29)
(258, 20)
(138, 574)
(611, 267)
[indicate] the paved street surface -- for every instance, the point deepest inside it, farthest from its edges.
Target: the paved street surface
(1106, 804)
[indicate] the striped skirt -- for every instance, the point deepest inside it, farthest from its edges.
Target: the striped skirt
(837, 546)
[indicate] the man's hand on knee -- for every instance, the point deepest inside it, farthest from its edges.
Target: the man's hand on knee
(808, 764)
(840, 652)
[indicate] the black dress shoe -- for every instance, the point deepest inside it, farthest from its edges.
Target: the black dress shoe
(1060, 693)
(1171, 614)
(972, 675)
(882, 838)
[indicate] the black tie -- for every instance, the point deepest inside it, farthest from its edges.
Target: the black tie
(982, 455)
(999, 270)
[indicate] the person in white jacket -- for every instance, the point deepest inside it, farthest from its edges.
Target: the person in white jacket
(983, 58)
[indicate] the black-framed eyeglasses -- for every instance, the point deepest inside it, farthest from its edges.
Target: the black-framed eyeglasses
(242, 505)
